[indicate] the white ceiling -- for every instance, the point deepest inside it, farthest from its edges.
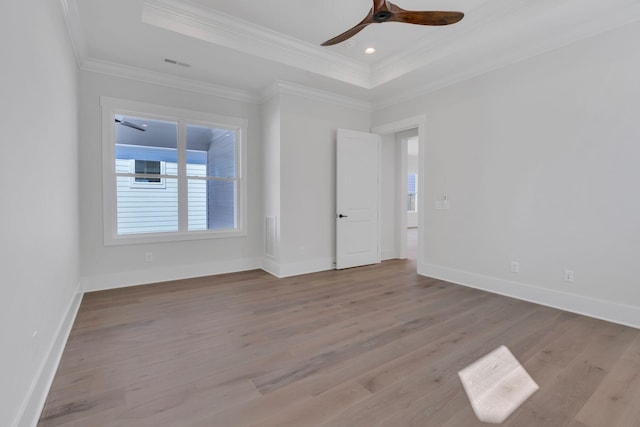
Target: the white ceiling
(242, 47)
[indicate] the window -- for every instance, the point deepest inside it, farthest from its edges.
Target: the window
(146, 167)
(412, 190)
(171, 174)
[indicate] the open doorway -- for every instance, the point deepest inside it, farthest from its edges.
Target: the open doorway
(399, 241)
(412, 197)
(396, 150)
(408, 189)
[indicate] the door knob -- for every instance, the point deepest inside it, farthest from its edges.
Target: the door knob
(343, 216)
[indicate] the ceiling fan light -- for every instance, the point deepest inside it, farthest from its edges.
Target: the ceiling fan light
(370, 50)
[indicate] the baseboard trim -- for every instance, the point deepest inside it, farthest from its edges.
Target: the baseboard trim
(165, 274)
(610, 311)
(387, 255)
(271, 266)
(37, 397)
(297, 268)
(306, 267)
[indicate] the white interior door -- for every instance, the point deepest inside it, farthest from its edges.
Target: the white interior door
(357, 227)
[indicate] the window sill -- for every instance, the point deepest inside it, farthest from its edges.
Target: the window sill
(138, 239)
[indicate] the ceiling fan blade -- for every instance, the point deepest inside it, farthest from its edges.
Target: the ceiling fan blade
(346, 35)
(379, 5)
(351, 32)
(385, 11)
(426, 18)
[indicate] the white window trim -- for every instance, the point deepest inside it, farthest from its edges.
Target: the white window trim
(111, 107)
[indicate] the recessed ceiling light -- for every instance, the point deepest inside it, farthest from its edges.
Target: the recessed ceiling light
(370, 51)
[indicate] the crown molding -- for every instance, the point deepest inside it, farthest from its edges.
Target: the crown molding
(287, 88)
(71, 16)
(168, 80)
(190, 19)
(270, 92)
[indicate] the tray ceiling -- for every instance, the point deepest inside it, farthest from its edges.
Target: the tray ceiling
(249, 45)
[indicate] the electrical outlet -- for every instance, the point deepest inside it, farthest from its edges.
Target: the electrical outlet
(148, 256)
(515, 267)
(568, 275)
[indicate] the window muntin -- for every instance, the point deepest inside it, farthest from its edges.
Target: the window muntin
(199, 191)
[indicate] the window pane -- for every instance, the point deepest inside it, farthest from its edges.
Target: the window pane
(194, 169)
(147, 167)
(197, 204)
(212, 205)
(214, 148)
(222, 205)
(147, 209)
(146, 140)
(411, 189)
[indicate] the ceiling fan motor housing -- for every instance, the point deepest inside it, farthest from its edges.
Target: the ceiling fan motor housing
(382, 16)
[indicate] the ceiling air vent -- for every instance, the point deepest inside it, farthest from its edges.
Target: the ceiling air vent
(174, 62)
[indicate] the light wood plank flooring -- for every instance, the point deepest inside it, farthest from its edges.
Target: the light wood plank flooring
(371, 346)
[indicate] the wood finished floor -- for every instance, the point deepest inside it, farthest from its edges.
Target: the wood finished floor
(372, 346)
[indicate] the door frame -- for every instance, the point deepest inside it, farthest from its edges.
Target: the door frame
(392, 128)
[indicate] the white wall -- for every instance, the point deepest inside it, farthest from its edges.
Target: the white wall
(106, 267)
(271, 172)
(39, 215)
(389, 196)
(308, 184)
(540, 163)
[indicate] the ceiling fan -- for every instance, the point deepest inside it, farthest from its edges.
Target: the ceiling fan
(130, 125)
(385, 11)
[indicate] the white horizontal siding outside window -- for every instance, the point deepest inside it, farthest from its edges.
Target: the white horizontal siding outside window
(171, 174)
(135, 201)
